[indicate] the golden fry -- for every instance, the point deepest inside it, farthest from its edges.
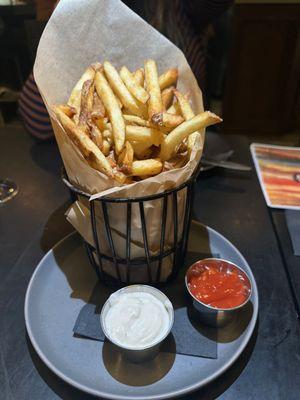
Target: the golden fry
(68, 110)
(167, 97)
(120, 177)
(135, 120)
(98, 106)
(105, 147)
(119, 102)
(134, 88)
(87, 147)
(171, 141)
(120, 89)
(125, 158)
(169, 78)
(111, 159)
(165, 120)
(75, 98)
(184, 105)
(139, 76)
(147, 167)
(144, 135)
(155, 104)
(141, 150)
(96, 136)
(101, 122)
(97, 66)
(111, 105)
(86, 103)
(188, 113)
(107, 134)
(143, 111)
(174, 109)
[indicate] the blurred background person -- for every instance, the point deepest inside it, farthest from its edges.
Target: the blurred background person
(32, 109)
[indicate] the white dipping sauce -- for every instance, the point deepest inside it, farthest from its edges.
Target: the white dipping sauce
(136, 319)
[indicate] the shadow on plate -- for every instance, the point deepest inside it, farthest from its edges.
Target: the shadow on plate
(214, 389)
(74, 263)
(209, 392)
(142, 374)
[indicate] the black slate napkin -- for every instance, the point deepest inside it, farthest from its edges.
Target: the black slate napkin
(293, 223)
(189, 335)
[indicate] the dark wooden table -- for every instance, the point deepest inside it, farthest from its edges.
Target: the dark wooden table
(230, 202)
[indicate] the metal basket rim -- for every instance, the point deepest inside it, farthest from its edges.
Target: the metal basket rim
(126, 199)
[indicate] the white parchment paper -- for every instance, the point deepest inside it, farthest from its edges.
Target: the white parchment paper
(78, 34)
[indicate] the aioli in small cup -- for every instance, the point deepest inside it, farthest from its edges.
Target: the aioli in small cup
(218, 288)
(137, 319)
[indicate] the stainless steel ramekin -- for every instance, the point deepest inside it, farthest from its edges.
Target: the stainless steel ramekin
(212, 316)
(148, 352)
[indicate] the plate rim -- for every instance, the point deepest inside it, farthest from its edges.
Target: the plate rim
(176, 393)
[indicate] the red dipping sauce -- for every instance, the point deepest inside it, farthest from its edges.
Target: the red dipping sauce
(218, 283)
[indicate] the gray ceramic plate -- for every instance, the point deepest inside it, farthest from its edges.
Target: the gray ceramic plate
(62, 284)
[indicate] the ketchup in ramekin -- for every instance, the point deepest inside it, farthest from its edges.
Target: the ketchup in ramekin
(218, 283)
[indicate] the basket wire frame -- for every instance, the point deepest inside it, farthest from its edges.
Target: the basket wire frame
(177, 251)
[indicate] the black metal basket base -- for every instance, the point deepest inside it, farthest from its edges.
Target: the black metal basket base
(134, 272)
(114, 270)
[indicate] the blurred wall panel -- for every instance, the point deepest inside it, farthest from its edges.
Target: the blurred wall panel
(263, 71)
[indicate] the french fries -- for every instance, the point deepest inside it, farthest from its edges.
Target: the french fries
(96, 136)
(87, 100)
(184, 105)
(75, 98)
(167, 97)
(113, 109)
(121, 90)
(98, 106)
(188, 113)
(171, 141)
(155, 104)
(139, 76)
(141, 150)
(106, 147)
(169, 78)
(101, 122)
(125, 159)
(134, 88)
(165, 120)
(174, 109)
(68, 110)
(87, 147)
(135, 120)
(107, 134)
(131, 125)
(144, 135)
(147, 167)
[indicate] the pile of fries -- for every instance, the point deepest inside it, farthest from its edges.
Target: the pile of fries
(131, 125)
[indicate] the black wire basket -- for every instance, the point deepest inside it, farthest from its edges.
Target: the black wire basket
(161, 265)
